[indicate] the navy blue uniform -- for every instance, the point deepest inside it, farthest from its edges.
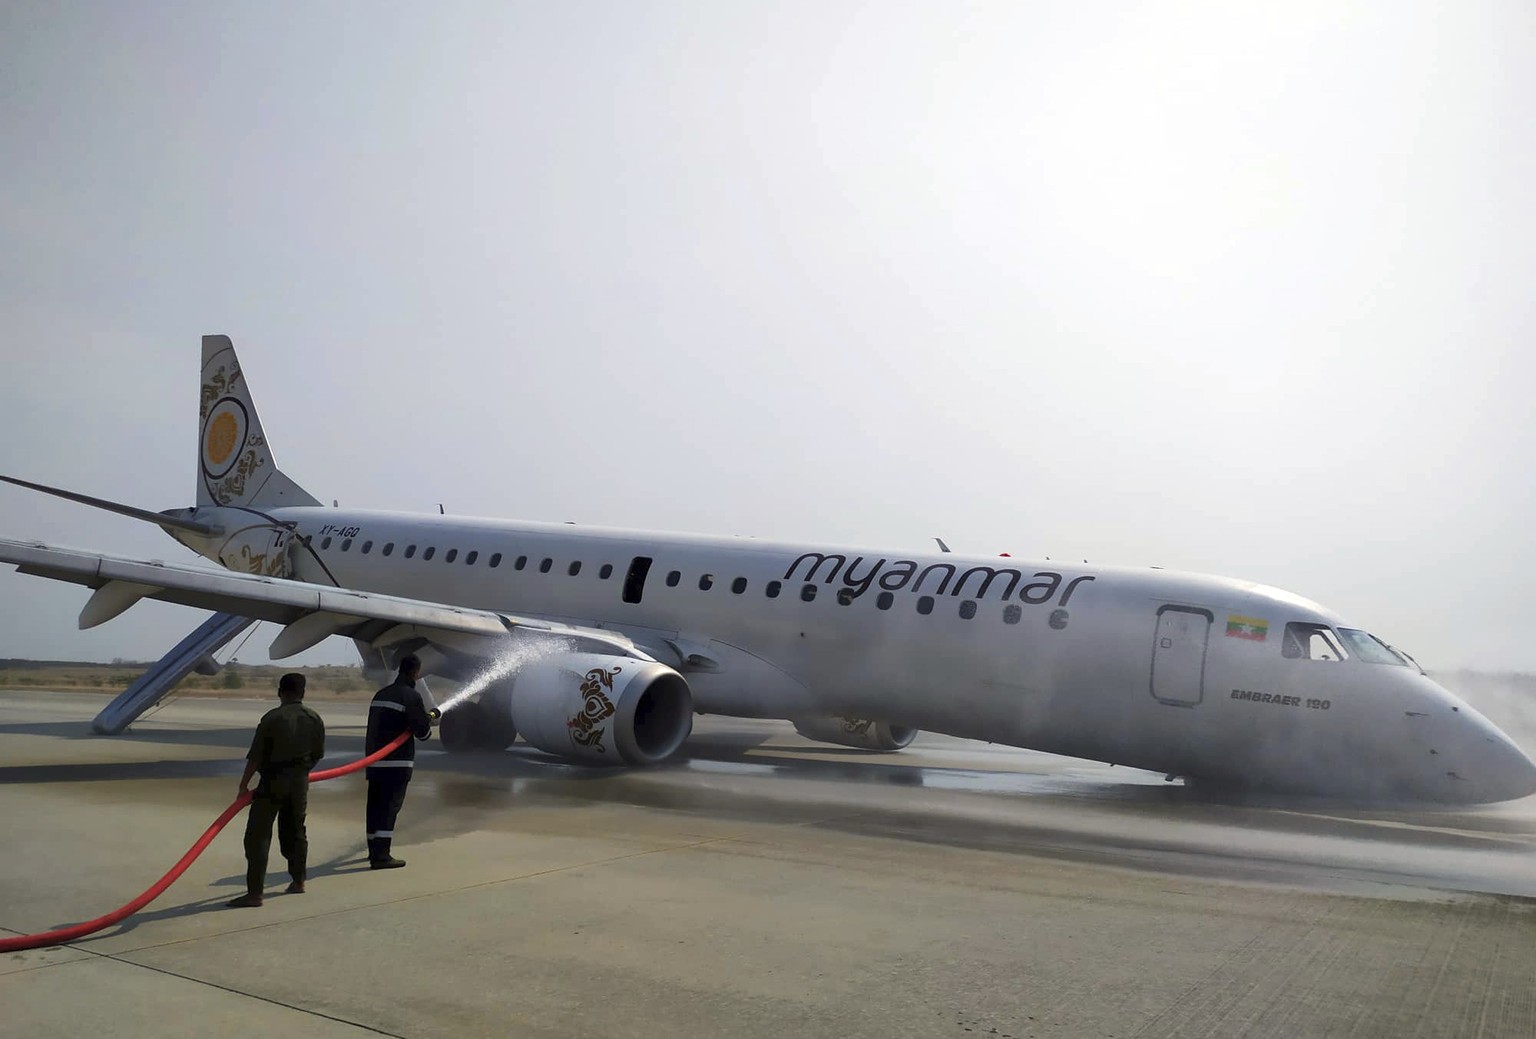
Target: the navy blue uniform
(395, 709)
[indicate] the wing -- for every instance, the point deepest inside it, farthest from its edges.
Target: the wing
(309, 613)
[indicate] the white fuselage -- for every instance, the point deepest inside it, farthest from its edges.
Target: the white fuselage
(1128, 666)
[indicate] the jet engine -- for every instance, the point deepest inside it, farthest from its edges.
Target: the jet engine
(603, 709)
(859, 733)
(485, 724)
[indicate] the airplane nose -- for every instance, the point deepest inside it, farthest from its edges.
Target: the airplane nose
(1493, 766)
(1511, 772)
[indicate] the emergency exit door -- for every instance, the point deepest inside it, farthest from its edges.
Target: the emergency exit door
(1178, 655)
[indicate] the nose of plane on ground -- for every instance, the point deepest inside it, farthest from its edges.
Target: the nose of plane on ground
(1488, 765)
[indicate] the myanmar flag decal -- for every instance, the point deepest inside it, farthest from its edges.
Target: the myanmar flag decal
(1251, 628)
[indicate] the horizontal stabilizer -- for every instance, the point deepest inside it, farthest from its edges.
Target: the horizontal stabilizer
(157, 518)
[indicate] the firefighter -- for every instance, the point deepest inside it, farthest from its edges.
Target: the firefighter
(395, 709)
(289, 740)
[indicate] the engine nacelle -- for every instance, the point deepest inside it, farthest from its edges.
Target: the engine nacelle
(602, 709)
(859, 733)
(477, 725)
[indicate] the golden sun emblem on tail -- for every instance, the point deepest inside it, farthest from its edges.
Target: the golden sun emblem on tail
(226, 433)
(223, 432)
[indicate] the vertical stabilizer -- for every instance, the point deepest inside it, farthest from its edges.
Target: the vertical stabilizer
(234, 462)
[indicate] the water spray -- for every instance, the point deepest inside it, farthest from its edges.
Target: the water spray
(509, 662)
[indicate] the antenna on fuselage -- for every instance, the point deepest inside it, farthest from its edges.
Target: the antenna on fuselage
(942, 547)
(440, 509)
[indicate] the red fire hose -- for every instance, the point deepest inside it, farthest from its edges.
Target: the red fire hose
(69, 934)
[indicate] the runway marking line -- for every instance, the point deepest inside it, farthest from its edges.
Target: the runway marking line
(118, 958)
(1395, 824)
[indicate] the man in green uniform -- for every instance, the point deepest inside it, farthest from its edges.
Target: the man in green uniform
(289, 740)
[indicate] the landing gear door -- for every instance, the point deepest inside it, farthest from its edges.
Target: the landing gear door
(1178, 655)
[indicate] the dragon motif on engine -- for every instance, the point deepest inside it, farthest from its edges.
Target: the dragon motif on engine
(585, 725)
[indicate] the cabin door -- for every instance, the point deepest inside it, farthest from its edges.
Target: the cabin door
(1178, 655)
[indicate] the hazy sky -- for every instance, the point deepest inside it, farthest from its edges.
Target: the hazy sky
(1237, 288)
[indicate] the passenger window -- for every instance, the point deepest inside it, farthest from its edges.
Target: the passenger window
(389, 548)
(967, 609)
(1311, 642)
(522, 561)
(410, 550)
(739, 585)
(326, 543)
(453, 554)
(544, 566)
(469, 560)
(884, 600)
(1012, 612)
(346, 543)
(706, 582)
(429, 552)
(573, 569)
(606, 572)
(367, 547)
(807, 593)
(495, 560)
(845, 596)
(674, 577)
(925, 605)
(771, 589)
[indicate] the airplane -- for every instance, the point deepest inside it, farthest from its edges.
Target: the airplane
(600, 645)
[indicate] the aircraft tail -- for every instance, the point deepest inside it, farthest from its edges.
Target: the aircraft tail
(235, 465)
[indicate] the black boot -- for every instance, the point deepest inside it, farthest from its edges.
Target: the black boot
(379, 856)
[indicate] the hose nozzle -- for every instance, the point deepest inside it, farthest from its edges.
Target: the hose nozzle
(434, 715)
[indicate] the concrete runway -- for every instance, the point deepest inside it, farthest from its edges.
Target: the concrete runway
(764, 885)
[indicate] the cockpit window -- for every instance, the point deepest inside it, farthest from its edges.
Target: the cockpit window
(1311, 642)
(1409, 657)
(1369, 648)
